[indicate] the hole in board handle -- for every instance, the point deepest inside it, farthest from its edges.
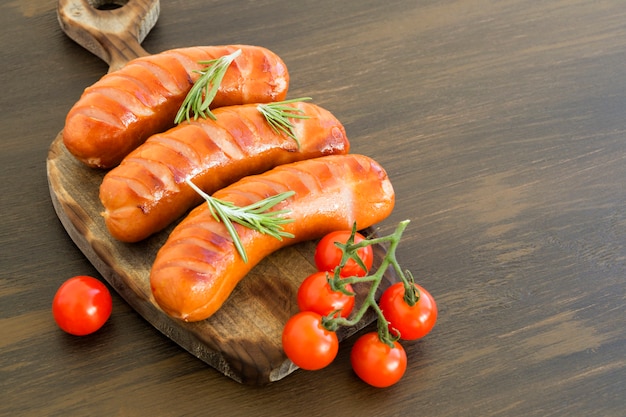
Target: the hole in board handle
(108, 4)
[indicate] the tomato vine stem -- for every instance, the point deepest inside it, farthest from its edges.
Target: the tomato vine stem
(349, 249)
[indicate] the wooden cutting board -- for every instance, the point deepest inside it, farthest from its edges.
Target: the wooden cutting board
(243, 339)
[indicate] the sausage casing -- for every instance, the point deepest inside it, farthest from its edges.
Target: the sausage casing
(198, 266)
(147, 191)
(122, 109)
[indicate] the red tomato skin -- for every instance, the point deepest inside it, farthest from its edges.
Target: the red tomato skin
(376, 363)
(413, 322)
(307, 343)
(81, 305)
(315, 294)
(328, 256)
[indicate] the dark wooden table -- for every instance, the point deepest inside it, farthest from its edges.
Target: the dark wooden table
(503, 127)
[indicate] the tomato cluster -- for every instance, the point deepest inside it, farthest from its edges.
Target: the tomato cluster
(326, 302)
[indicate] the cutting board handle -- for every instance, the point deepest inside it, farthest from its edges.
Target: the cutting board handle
(110, 29)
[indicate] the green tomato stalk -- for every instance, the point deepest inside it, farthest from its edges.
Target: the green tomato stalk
(338, 283)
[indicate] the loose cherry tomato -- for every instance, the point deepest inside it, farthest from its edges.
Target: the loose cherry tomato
(414, 321)
(377, 363)
(328, 256)
(315, 294)
(307, 343)
(81, 305)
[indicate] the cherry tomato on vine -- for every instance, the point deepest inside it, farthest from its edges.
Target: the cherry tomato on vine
(81, 305)
(414, 321)
(376, 363)
(307, 343)
(328, 256)
(315, 294)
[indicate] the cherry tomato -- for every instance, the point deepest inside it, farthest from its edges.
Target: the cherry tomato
(414, 321)
(328, 256)
(307, 343)
(315, 294)
(81, 305)
(377, 363)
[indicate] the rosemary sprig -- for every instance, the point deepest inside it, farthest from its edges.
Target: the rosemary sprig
(255, 216)
(205, 88)
(278, 114)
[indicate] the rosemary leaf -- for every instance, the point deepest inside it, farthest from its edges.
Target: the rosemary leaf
(255, 216)
(205, 88)
(278, 116)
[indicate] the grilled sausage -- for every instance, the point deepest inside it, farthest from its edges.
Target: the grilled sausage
(147, 191)
(198, 266)
(125, 107)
